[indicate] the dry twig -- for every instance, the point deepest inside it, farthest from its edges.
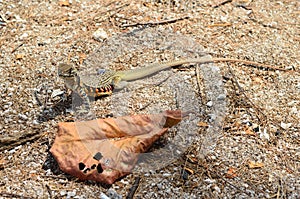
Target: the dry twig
(257, 109)
(222, 3)
(250, 63)
(151, 23)
(133, 188)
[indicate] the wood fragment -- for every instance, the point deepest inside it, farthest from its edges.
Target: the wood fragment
(19, 56)
(64, 3)
(21, 138)
(202, 124)
(255, 165)
(16, 48)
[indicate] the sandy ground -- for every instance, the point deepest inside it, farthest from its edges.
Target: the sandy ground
(256, 153)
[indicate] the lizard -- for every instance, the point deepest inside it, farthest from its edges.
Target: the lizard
(104, 81)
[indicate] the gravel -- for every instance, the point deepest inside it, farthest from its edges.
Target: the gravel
(262, 106)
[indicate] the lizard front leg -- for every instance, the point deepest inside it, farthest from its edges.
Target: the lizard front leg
(84, 111)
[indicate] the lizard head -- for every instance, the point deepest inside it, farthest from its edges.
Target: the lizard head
(66, 70)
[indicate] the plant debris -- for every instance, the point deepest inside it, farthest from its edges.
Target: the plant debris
(105, 150)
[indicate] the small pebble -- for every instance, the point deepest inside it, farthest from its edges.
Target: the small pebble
(57, 92)
(212, 117)
(124, 182)
(12, 151)
(71, 194)
(213, 157)
(62, 193)
(22, 116)
(100, 35)
(24, 36)
(80, 197)
(209, 104)
(103, 196)
(264, 135)
(35, 122)
(166, 174)
(32, 171)
(221, 97)
(294, 110)
(285, 126)
(210, 181)
(111, 193)
(159, 186)
(186, 77)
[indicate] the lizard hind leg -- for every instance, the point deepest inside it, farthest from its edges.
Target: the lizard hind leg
(120, 84)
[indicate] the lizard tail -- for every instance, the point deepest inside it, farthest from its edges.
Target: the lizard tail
(138, 73)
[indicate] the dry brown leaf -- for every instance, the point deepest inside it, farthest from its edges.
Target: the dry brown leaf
(82, 57)
(231, 173)
(106, 149)
(248, 131)
(255, 165)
